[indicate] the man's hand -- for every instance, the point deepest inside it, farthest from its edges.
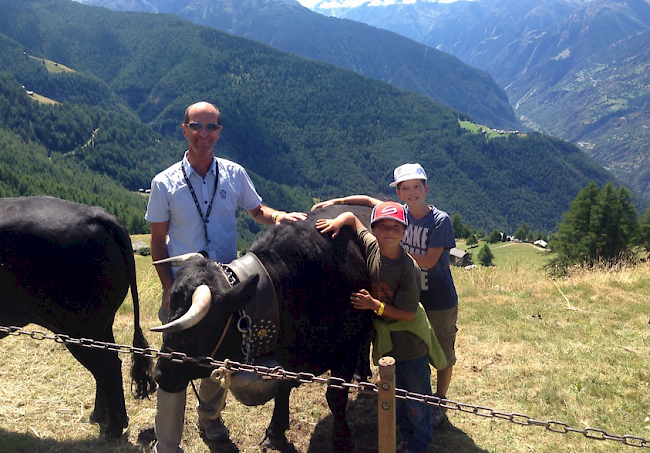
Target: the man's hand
(289, 217)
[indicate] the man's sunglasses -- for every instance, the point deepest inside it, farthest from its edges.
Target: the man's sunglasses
(198, 126)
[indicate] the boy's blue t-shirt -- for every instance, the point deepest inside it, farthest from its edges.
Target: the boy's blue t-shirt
(434, 230)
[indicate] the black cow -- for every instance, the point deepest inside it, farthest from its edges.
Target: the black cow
(68, 267)
(313, 277)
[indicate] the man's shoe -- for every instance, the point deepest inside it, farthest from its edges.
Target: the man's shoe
(155, 449)
(213, 430)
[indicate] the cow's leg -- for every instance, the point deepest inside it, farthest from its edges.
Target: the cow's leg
(337, 399)
(106, 367)
(363, 372)
(275, 438)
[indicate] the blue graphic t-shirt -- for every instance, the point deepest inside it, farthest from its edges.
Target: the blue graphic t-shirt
(432, 231)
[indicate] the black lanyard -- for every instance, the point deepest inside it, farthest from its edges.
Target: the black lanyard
(205, 219)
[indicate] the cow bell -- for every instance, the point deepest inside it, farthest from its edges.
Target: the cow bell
(253, 389)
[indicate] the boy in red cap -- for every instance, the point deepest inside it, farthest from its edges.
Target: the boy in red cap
(402, 328)
(428, 239)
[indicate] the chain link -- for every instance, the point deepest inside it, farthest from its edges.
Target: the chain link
(334, 382)
(244, 327)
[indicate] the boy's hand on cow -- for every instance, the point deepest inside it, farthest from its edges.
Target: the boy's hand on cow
(324, 204)
(362, 300)
(334, 225)
(326, 226)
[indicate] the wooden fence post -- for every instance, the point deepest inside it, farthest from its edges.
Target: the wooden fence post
(386, 405)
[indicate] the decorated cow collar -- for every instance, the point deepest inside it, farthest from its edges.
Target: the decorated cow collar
(259, 320)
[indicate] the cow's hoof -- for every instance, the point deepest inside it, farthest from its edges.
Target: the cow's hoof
(110, 432)
(147, 436)
(343, 449)
(99, 417)
(273, 442)
(343, 440)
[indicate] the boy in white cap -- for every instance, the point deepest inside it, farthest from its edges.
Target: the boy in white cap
(428, 238)
(402, 328)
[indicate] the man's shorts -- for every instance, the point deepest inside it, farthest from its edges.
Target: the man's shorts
(445, 328)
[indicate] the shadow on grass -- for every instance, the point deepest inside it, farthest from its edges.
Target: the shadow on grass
(28, 443)
(362, 418)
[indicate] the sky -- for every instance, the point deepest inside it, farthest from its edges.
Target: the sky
(326, 4)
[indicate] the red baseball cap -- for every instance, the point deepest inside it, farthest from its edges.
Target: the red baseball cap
(389, 210)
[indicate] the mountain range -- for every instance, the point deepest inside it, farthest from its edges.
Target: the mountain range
(102, 93)
(370, 51)
(577, 69)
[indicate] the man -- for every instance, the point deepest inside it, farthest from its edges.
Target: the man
(428, 239)
(192, 208)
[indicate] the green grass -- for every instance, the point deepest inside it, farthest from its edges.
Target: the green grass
(479, 129)
(43, 99)
(52, 66)
(572, 350)
(510, 253)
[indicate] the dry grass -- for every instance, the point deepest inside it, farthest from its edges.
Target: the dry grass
(573, 350)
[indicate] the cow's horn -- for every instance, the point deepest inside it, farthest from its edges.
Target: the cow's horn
(201, 301)
(176, 261)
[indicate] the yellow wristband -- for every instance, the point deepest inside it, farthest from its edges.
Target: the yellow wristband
(275, 215)
(381, 309)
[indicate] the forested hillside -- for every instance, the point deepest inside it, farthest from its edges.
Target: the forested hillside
(303, 129)
(28, 167)
(367, 50)
(577, 69)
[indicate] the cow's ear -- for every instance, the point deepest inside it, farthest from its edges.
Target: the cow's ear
(242, 292)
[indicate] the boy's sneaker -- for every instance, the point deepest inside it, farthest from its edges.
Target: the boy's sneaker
(438, 417)
(438, 414)
(213, 430)
(401, 448)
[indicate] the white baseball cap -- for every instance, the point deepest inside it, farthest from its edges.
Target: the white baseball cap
(406, 172)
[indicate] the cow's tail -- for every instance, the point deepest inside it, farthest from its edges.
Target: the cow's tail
(143, 384)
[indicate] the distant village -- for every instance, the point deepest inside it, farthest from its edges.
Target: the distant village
(462, 258)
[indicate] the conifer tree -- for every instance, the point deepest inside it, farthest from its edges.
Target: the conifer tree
(485, 256)
(523, 232)
(599, 225)
(642, 238)
(494, 237)
(461, 230)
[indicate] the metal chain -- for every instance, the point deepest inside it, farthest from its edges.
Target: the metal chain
(337, 383)
(244, 327)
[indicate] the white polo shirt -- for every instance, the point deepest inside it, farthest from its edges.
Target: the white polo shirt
(171, 200)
